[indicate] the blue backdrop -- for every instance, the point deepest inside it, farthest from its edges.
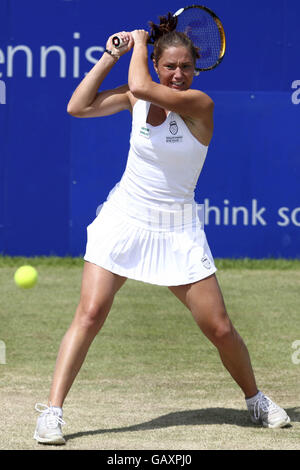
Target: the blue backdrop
(55, 170)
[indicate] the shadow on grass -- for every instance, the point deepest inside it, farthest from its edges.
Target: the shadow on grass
(188, 418)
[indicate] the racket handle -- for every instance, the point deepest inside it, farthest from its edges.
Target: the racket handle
(118, 42)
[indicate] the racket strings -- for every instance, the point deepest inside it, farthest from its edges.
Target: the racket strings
(204, 32)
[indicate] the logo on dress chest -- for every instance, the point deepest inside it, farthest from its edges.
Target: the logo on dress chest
(173, 129)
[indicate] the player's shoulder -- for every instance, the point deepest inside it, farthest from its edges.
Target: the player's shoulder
(202, 96)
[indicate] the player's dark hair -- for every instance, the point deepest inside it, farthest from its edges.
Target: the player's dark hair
(164, 35)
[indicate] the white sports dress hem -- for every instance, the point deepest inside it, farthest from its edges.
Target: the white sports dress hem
(114, 269)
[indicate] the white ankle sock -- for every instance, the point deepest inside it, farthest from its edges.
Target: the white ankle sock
(252, 400)
(57, 410)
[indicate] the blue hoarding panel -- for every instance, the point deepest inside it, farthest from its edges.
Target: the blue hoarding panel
(55, 170)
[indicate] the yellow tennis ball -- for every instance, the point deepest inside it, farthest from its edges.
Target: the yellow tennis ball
(26, 277)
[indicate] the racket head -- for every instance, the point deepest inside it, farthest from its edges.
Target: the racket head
(206, 31)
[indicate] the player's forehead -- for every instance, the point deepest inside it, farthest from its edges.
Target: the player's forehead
(176, 54)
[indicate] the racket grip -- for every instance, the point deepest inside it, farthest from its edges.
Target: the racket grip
(118, 42)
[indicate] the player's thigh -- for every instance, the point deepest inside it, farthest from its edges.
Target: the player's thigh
(205, 301)
(98, 288)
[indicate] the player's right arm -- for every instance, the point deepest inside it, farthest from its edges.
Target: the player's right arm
(87, 101)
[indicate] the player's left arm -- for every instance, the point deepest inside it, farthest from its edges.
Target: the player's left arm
(190, 103)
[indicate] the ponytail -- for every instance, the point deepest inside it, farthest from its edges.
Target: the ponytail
(164, 35)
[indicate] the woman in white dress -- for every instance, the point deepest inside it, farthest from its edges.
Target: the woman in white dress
(149, 229)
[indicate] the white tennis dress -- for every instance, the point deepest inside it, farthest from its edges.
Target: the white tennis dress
(150, 228)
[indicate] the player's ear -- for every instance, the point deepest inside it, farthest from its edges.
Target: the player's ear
(154, 62)
(155, 66)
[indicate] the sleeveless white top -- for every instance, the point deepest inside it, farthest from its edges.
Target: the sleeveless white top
(149, 228)
(164, 162)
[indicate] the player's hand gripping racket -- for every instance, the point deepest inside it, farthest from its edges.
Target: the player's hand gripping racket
(206, 32)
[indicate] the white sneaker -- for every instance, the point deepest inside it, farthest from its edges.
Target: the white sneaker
(264, 411)
(48, 428)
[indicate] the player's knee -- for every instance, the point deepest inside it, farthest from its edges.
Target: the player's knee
(224, 332)
(91, 316)
(221, 332)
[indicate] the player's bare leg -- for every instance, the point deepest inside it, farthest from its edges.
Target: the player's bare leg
(97, 294)
(205, 301)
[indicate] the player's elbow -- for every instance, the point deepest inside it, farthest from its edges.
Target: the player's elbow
(140, 88)
(72, 110)
(137, 90)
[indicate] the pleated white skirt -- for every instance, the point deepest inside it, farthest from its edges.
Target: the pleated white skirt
(159, 245)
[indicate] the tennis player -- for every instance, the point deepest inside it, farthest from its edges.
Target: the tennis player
(149, 228)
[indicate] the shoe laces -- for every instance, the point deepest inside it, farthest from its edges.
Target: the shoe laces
(265, 405)
(52, 419)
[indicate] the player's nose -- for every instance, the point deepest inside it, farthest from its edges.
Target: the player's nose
(178, 73)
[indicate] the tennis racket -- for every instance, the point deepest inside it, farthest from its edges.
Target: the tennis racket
(206, 32)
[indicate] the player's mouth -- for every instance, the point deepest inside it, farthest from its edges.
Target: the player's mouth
(177, 85)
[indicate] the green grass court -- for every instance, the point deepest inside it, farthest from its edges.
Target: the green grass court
(151, 379)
